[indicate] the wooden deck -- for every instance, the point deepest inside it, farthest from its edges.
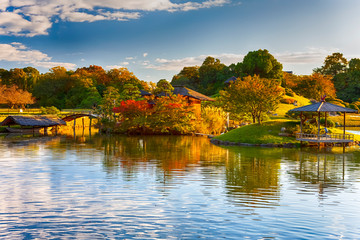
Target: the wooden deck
(325, 138)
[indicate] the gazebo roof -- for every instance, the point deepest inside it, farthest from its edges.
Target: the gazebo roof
(323, 107)
(32, 121)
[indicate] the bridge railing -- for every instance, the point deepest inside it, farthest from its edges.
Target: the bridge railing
(329, 136)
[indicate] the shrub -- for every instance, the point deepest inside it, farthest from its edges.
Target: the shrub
(354, 106)
(330, 123)
(287, 100)
(310, 128)
(49, 110)
(289, 92)
(213, 120)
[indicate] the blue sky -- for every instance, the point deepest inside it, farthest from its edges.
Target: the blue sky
(155, 39)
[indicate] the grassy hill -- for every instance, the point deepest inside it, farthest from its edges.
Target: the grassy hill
(267, 132)
(283, 107)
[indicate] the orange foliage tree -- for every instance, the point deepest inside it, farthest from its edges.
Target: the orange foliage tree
(172, 115)
(168, 115)
(15, 97)
(311, 86)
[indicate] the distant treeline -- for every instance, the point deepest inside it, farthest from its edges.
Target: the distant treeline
(85, 87)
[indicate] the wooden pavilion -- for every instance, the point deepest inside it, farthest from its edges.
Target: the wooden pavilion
(31, 123)
(192, 97)
(323, 107)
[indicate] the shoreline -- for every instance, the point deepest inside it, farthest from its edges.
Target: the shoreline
(269, 145)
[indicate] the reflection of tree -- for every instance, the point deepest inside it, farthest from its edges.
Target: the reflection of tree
(171, 155)
(253, 180)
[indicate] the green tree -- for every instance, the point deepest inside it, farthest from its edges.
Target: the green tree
(333, 65)
(210, 79)
(254, 96)
(348, 85)
(130, 92)
(263, 64)
(53, 87)
(32, 75)
(189, 77)
(163, 87)
(110, 100)
(92, 99)
(354, 64)
(18, 77)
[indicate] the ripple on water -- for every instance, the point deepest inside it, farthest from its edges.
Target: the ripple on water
(102, 189)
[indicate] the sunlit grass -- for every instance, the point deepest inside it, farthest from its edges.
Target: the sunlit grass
(267, 132)
(284, 108)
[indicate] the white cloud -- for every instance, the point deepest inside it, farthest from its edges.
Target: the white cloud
(12, 23)
(145, 54)
(113, 67)
(125, 63)
(288, 59)
(178, 64)
(48, 65)
(312, 55)
(34, 17)
(17, 52)
(4, 4)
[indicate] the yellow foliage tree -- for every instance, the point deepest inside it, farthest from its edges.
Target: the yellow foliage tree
(253, 95)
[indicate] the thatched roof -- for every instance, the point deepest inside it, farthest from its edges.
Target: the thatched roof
(323, 107)
(184, 91)
(32, 121)
(232, 79)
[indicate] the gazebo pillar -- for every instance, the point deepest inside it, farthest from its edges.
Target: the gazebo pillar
(318, 127)
(344, 124)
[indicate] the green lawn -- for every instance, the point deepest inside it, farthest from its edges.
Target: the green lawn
(284, 108)
(267, 132)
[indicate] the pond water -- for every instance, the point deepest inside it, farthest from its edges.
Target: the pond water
(174, 187)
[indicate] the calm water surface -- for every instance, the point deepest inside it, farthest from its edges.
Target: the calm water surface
(172, 187)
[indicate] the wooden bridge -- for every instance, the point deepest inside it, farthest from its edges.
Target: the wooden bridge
(74, 116)
(325, 138)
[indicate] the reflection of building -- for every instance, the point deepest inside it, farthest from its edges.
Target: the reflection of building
(322, 171)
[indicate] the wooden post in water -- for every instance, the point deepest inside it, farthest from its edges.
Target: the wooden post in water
(301, 131)
(90, 119)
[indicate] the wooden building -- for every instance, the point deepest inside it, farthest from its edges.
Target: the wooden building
(192, 97)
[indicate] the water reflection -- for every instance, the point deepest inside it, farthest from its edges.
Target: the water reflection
(151, 187)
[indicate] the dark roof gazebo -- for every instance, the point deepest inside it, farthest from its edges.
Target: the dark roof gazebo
(323, 107)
